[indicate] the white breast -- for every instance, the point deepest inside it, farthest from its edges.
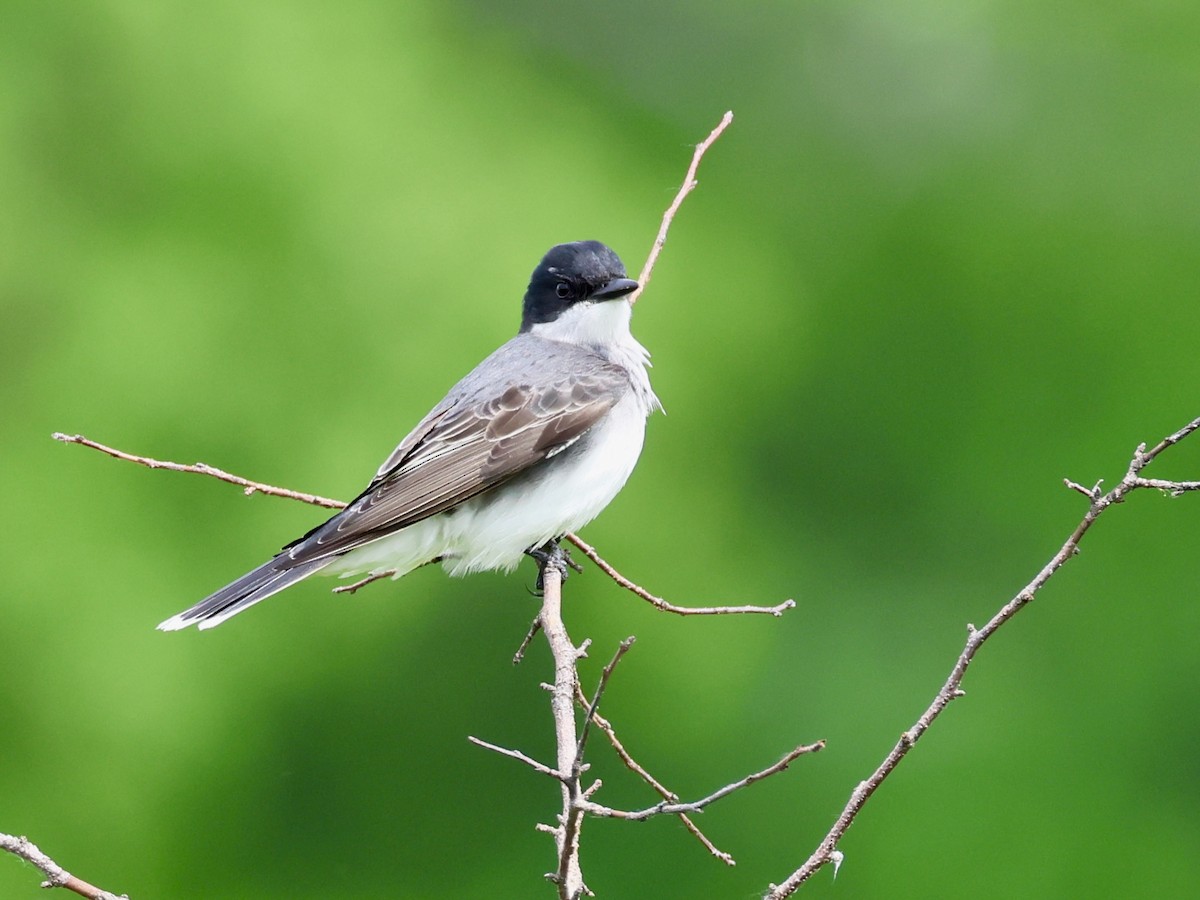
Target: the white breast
(494, 531)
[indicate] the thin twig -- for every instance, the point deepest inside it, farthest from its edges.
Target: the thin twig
(1174, 488)
(534, 627)
(622, 649)
(827, 851)
(250, 487)
(1091, 493)
(667, 808)
(517, 754)
(689, 185)
(658, 602)
(56, 875)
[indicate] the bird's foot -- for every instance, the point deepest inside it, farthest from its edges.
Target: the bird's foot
(553, 554)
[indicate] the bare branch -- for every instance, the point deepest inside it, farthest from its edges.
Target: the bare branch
(1174, 488)
(56, 875)
(568, 876)
(250, 487)
(517, 754)
(827, 851)
(667, 808)
(1090, 493)
(689, 185)
(534, 627)
(590, 552)
(1170, 440)
(622, 649)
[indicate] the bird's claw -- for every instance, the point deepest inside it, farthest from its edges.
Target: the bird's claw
(552, 554)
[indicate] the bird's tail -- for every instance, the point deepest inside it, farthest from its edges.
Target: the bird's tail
(269, 578)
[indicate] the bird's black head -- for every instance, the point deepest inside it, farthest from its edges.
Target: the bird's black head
(580, 272)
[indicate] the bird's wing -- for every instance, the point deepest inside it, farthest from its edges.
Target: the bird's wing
(461, 449)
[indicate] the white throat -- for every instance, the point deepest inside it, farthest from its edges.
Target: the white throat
(604, 324)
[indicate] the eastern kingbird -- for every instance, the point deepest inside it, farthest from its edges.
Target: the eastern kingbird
(533, 443)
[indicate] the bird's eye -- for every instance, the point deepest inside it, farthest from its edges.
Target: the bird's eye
(563, 290)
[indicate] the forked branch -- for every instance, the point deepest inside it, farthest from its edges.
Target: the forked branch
(827, 851)
(577, 800)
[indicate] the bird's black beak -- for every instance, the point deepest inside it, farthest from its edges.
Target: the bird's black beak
(618, 287)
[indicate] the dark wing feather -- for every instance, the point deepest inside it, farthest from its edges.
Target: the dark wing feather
(460, 450)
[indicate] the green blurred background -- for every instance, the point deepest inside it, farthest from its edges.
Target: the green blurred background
(946, 255)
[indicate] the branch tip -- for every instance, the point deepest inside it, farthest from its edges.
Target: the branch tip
(688, 185)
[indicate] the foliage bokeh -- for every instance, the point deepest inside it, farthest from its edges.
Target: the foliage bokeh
(945, 256)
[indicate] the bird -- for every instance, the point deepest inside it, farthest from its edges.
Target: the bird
(533, 443)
